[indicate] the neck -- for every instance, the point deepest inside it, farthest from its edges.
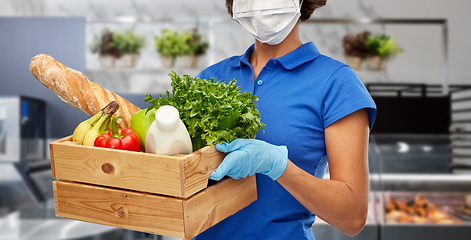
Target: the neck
(263, 52)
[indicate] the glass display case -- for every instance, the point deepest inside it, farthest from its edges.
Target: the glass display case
(419, 162)
(417, 192)
(425, 205)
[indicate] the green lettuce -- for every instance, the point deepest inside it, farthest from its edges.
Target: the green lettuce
(213, 112)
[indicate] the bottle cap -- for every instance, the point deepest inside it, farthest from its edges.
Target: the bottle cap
(167, 118)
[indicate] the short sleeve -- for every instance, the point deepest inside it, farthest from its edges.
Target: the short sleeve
(344, 93)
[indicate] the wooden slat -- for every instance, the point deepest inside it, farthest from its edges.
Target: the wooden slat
(65, 140)
(151, 213)
(179, 175)
(51, 156)
(115, 207)
(217, 203)
(116, 168)
(197, 167)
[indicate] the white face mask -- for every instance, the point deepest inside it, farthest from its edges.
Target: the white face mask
(270, 21)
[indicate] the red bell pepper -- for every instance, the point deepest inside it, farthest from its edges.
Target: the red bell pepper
(124, 139)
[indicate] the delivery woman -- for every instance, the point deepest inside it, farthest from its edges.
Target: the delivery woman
(316, 111)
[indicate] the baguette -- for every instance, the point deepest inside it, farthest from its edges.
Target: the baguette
(74, 88)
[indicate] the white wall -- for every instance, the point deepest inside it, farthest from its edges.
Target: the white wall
(455, 11)
(12, 8)
(422, 60)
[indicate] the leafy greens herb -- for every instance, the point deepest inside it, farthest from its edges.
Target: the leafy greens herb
(212, 111)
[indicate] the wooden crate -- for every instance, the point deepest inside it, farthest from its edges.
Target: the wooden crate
(165, 195)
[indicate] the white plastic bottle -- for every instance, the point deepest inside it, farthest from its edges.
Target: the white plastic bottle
(167, 135)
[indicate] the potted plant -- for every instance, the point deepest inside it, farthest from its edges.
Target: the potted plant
(167, 44)
(382, 47)
(129, 45)
(356, 49)
(104, 46)
(191, 47)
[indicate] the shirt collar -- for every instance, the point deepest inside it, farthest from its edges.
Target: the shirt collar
(236, 61)
(302, 54)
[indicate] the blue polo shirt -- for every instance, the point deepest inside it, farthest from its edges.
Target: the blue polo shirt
(300, 94)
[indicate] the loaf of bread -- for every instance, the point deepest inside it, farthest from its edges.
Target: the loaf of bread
(74, 88)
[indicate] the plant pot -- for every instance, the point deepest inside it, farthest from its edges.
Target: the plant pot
(375, 63)
(127, 60)
(168, 62)
(187, 61)
(107, 61)
(354, 62)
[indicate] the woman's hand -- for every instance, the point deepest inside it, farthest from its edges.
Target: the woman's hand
(249, 156)
(341, 201)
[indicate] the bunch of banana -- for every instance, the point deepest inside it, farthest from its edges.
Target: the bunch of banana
(87, 131)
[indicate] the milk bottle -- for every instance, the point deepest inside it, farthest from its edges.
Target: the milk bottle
(167, 135)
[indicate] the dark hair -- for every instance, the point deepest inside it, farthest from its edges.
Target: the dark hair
(307, 8)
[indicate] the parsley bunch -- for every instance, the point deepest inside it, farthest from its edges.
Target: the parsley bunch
(213, 112)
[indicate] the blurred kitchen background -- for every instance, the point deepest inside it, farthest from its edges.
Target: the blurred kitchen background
(420, 146)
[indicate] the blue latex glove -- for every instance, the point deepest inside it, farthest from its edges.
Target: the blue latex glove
(249, 156)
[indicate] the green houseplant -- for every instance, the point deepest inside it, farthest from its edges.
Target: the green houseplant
(104, 46)
(117, 49)
(129, 45)
(191, 47)
(382, 47)
(168, 46)
(356, 48)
